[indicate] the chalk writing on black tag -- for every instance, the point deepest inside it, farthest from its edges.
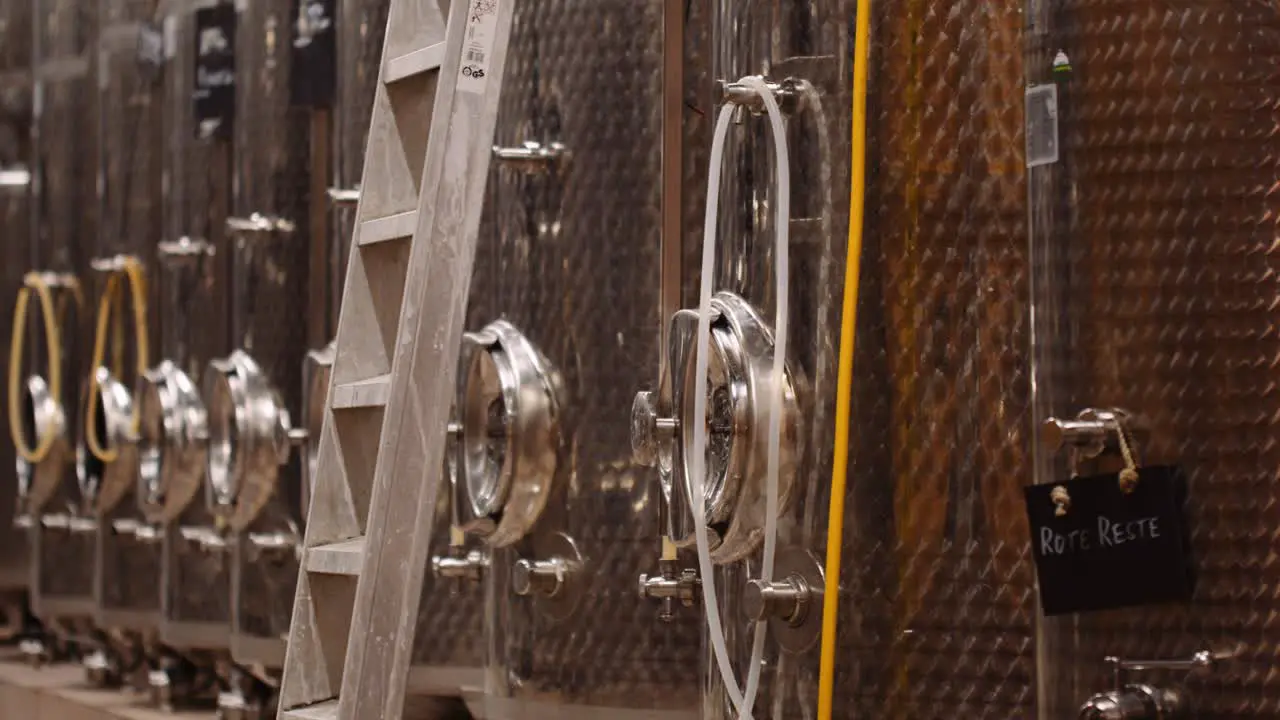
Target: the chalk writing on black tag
(313, 65)
(214, 96)
(1097, 547)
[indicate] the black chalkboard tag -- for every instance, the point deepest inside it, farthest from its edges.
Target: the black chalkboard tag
(214, 96)
(1111, 549)
(314, 56)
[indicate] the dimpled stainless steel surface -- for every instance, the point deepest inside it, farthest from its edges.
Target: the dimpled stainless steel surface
(1156, 235)
(15, 149)
(131, 105)
(65, 237)
(194, 322)
(269, 281)
(936, 605)
(571, 258)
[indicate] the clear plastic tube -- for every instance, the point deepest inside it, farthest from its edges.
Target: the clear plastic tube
(743, 699)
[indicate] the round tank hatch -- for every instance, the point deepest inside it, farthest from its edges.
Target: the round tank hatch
(738, 398)
(508, 435)
(171, 444)
(43, 416)
(249, 438)
(104, 484)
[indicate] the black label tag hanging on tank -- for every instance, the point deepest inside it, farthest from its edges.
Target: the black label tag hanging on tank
(214, 93)
(1112, 540)
(313, 63)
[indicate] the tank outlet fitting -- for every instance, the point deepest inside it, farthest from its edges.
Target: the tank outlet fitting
(460, 565)
(1136, 702)
(544, 577)
(788, 600)
(671, 586)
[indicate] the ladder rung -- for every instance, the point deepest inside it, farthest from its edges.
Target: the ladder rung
(391, 227)
(327, 710)
(413, 63)
(340, 558)
(372, 392)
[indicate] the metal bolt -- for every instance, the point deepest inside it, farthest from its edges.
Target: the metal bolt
(788, 599)
(544, 577)
(648, 430)
(460, 565)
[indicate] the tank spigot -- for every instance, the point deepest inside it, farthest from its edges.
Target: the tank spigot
(344, 197)
(786, 92)
(787, 600)
(183, 249)
(100, 670)
(206, 538)
(531, 158)
(460, 565)
(34, 652)
(277, 546)
(1091, 431)
(671, 586)
(1136, 702)
(259, 224)
(648, 430)
(1145, 702)
(544, 577)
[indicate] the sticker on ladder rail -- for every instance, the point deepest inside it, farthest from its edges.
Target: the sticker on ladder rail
(477, 45)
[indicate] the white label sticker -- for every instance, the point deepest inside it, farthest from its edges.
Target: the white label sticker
(1042, 125)
(477, 45)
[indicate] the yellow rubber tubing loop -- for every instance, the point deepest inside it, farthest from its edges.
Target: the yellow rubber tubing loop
(52, 333)
(844, 381)
(133, 273)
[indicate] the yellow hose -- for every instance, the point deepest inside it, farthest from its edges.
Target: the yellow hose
(33, 282)
(132, 271)
(844, 380)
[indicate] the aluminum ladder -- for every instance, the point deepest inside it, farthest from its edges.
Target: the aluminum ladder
(369, 522)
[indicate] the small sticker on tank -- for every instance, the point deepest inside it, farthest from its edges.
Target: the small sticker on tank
(1042, 125)
(477, 45)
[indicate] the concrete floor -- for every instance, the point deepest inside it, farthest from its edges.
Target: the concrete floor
(60, 692)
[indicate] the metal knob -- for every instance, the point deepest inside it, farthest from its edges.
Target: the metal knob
(648, 430)
(544, 577)
(260, 224)
(100, 670)
(185, 247)
(111, 264)
(344, 197)
(670, 587)
(205, 538)
(34, 652)
(786, 93)
(276, 545)
(148, 534)
(1056, 434)
(531, 157)
(459, 565)
(1136, 702)
(788, 600)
